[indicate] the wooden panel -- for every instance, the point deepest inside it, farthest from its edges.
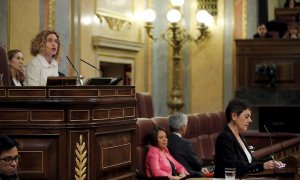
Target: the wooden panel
(35, 159)
(79, 154)
(79, 115)
(73, 93)
(47, 115)
(100, 114)
(13, 115)
(2, 93)
(107, 92)
(121, 155)
(26, 93)
(115, 154)
(38, 157)
(116, 113)
(282, 54)
(58, 133)
(126, 92)
(286, 14)
(129, 112)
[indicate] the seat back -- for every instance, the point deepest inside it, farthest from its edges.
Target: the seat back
(205, 145)
(216, 124)
(162, 122)
(144, 127)
(144, 105)
(4, 67)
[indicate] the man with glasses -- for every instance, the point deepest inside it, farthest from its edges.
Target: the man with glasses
(9, 157)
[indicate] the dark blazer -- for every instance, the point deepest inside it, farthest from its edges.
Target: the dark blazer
(256, 36)
(13, 177)
(229, 153)
(182, 150)
(12, 83)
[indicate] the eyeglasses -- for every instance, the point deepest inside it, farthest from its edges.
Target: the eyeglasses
(9, 160)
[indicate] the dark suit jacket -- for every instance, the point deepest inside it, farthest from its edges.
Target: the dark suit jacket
(12, 83)
(229, 153)
(182, 150)
(14, 177)
(256, 36)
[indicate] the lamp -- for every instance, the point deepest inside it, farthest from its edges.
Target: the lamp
(176, 37)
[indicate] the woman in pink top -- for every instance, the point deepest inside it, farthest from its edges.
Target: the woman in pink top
(159, 162)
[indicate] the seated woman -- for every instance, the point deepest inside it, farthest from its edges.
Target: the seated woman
(292, 32)
(16, 67)
(231, 148)
(291, 4)
(159, 162)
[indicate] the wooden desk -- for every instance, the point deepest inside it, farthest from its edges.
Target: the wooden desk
(287, 173)
(279, 174)
(287, 15)
(253, 59)
(252, 53)
(71, 131)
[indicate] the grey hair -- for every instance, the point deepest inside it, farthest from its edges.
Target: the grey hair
(176, 121)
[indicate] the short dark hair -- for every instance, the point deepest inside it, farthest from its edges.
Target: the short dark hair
(7, 143)
(236, 106)
(153, 136)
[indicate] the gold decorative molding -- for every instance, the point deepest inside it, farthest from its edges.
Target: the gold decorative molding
(116, 14)
(114, 23)
(51, 17)
(210, 5)
(244, 18)
(81, 160)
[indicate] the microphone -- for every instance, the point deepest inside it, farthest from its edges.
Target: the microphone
(271, 147)
(281, 146)
(78, 75)
(270, 141)
(101, 73)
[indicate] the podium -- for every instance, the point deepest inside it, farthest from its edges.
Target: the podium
(71, 132)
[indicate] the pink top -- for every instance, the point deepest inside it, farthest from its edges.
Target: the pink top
(158, 165)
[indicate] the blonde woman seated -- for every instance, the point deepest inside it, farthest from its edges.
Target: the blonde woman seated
(16, 67)
(159, 162)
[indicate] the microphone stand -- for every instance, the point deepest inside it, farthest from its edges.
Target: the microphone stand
(272, 155)
(79, 81)
(101, 73)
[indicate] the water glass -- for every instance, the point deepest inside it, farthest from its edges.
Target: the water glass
(230, 173)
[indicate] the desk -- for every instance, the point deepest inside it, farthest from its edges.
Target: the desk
(286, 15)
(71, 131)
(283, 174)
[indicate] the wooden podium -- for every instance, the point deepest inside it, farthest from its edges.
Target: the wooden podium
(71, 132)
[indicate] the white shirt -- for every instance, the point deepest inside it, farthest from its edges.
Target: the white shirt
(16, 82)
(38, 70)
(248, 155)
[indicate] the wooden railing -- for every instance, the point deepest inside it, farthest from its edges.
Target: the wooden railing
(71, 132)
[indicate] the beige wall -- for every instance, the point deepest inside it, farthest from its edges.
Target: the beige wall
(22, 25)
(206, 59)
(207, 64)
(132, 33)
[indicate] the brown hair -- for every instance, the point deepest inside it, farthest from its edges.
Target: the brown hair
(10, 54)
(39, 42)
